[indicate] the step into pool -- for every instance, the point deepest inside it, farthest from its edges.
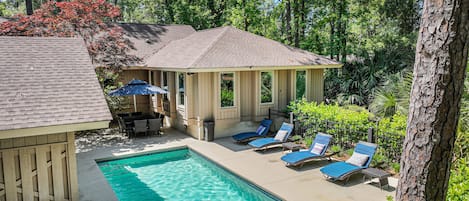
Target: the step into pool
(178, 175)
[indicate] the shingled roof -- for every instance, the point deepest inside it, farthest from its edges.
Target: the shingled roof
(149, 38)
(48, 82)
(228, 47)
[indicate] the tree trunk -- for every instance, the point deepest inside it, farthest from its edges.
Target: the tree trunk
(246, 23)
(439, 71)
(303, 19)
(288, 21)
(29, 7)
(296, 17)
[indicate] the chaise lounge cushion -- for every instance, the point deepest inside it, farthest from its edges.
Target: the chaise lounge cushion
(336, 170)
(358, 159)
(295, 157)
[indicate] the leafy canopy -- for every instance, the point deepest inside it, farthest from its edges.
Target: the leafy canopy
(88, 19)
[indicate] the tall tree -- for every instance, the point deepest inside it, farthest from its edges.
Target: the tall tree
(439, 71)
(288, 22)
(29, 7)
(89, 19)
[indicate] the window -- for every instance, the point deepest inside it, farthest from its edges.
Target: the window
(164, 84)
(227, 89)
(180, 83)
(266, 87)
(300, 84)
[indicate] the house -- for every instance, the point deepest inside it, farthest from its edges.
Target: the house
(228, 76)
(49, 90)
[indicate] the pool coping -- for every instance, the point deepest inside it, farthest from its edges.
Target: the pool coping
(142, 153)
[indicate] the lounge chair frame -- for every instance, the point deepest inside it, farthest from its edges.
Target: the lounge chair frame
(345, 177)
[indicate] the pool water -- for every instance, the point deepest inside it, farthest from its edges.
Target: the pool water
(176, 175)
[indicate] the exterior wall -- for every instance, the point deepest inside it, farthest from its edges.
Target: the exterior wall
(202, 98)
(315, 85)
(247, 93)
(38, 168)
(143, 102)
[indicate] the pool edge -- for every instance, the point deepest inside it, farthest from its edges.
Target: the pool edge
(129, 155)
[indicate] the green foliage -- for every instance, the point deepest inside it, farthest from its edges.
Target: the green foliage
(389, 198)
(109, 81)
(308, 141)
(300, 84)
(227, 98)
(336, 148)
(349, 152)
(464, 116)
(350, 124)
(393, 96)
(266, 87)
(396, 167)
(458, 189)
(227, 89)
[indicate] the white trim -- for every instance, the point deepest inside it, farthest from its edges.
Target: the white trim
(240, 68)
(234, 90)
(272, 87)
(295, 83)
(178, 95)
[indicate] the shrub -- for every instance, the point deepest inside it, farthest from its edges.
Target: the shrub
(350, 124)
(458, 188)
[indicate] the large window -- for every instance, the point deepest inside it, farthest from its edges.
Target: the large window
(267, 83)
(180, 83)
(227, 89)
(300, 84)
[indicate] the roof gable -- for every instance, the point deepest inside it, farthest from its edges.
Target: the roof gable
(230, 47)
(48, 82)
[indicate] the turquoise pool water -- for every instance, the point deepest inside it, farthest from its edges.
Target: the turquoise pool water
(176, 175)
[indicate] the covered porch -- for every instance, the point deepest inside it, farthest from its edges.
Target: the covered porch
(195, 97)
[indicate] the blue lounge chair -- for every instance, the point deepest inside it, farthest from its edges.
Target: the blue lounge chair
(300, 157)
(264, 143)
(261, 131)
(343, 170)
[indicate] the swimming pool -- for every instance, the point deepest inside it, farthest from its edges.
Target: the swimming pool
(176, 175)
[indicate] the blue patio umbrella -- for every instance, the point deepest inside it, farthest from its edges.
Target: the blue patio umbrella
(137, 87)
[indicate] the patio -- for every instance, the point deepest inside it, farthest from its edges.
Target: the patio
(262, 168)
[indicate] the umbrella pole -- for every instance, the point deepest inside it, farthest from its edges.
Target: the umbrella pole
(135, 104)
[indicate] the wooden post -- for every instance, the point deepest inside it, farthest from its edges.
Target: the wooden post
(291, 117)
(371, 137)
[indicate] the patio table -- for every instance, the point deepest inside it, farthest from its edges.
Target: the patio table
(291, 146)
(377, 173)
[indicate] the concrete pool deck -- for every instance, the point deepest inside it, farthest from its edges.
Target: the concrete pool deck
(265, 169)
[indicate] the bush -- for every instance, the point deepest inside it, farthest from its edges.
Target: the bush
(350, 124)
(458, 188)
